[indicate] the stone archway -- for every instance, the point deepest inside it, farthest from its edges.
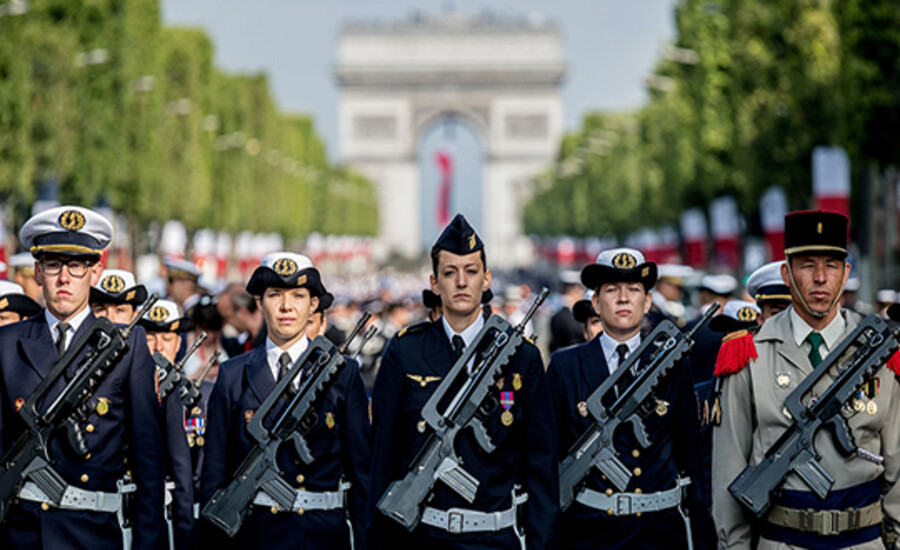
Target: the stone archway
(501, 76)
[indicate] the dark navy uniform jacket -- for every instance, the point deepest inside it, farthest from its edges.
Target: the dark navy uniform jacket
(178, 462)
(126, 414)
(340, 443)
(574, 374)
(526, 450)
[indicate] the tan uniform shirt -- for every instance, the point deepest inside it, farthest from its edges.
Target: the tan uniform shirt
(753, 418)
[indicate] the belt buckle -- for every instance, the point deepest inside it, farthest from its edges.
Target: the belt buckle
(830, 520)
(623, 505)
(454, 522)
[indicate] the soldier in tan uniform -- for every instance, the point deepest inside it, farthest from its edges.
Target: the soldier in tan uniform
(788, 347)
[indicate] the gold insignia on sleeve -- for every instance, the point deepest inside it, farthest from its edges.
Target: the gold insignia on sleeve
(158, 314)
(73, 220)
(285, 267)
(624, 260)
(423, 380)
(746, 314)
(472, 241)
(113, 283)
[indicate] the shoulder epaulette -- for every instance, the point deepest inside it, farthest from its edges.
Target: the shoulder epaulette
(894, 363)
(736, 353)
(413, 328)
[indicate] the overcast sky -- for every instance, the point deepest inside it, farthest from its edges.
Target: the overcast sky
(609, 45)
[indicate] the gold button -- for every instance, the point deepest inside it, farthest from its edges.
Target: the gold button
(45, 506)
(635, 453)
(299, 511)
(638, 491)
(603, 477)
(274, 509)
(89, 428)
(637, 515)
(87, 456)
(300, 478)
(637, 471)
(609, 511)
(609, 492)
(84, 478)
(301, 488)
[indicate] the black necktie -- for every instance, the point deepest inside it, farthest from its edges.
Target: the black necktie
(63, 332)
(626, 378)
(458, 345)
(284, 364)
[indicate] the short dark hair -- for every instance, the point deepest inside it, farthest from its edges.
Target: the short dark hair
(436, 252)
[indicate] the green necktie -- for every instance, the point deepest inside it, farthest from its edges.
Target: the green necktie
(815, 339)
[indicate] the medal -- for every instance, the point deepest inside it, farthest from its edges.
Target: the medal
(200, 441)
(858, 405)
(329, 420)
(517, 381)
(507, 400)
(19, 403)
(248, 414)
(872, 408)
(582, 409)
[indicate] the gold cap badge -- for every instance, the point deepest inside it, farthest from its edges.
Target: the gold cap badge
(624, 260)
(158, 314)
(73, 220)
(285, 267)
(113, 283)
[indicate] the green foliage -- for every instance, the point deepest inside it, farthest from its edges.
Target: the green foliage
(751, 89)
(98, 95)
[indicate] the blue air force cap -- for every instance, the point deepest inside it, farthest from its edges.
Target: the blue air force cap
(66, 231)
(459, 238)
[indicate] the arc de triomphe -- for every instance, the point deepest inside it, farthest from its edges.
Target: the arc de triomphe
(500, 76)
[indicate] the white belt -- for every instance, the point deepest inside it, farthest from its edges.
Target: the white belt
(626, 504)
(306, 500)
(77, 499)
(460, 520)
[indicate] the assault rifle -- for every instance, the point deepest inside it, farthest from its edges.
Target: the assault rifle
(596, 446)
(102, 345)
(853, 363)
(437, 459)
(320, 364)
(172, 376)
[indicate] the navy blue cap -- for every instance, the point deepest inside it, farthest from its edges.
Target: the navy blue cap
(815, 231)
(117, 286)
(459, 237)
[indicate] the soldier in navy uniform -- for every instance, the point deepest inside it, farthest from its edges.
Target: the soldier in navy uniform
(15, 305)
(161, 323)
(521, 427)
(123, 430)
(621, 281)
(288, 287)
